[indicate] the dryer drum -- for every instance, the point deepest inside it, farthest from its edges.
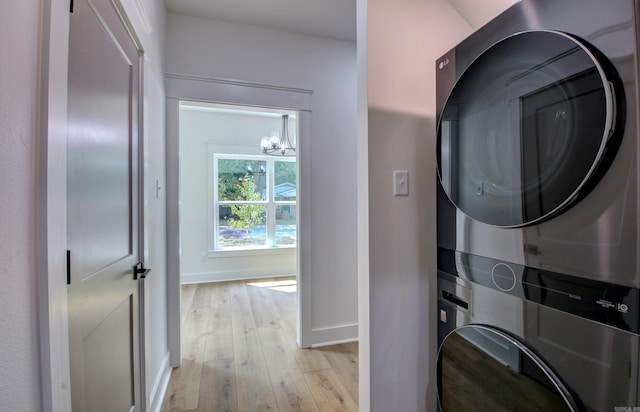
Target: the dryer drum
(476, 363)
(529, 128)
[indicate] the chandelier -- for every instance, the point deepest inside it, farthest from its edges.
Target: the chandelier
(278, 144)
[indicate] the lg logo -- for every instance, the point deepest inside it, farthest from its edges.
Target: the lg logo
(443, 63)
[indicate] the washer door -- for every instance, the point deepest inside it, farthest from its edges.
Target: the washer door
(484, 369)
(526, 128)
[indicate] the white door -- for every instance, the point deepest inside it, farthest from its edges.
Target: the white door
(103, 209)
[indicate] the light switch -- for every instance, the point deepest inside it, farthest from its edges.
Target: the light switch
(400, 183)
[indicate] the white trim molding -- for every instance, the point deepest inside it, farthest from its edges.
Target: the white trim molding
(225, 276)
(146, 23)
(208, 89)
(156, 396)
(334, 335)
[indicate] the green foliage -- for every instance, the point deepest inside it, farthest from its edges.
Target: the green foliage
(247, 216)
(285, 172)
(245, 180)
(230, 171)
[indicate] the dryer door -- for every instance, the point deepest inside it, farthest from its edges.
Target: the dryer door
(528, 128)
(484, 369)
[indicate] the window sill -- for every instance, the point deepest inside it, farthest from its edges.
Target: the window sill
(265, 251)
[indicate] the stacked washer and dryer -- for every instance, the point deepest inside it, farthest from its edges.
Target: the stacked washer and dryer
(538, 234)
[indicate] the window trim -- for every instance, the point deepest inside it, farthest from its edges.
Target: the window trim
(213, 203)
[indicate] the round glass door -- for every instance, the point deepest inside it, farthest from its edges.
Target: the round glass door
(528, 128)
(484, 369)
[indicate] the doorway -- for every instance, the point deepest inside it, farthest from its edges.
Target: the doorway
(181, 89)
(238, 205)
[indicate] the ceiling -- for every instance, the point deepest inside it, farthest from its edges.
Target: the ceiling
(335, 19)
(478, 13)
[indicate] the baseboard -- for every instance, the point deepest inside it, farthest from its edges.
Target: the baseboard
(334, 335)
(160, 385)
(189, 278)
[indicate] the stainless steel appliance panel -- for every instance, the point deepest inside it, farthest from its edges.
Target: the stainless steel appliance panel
(538, 235)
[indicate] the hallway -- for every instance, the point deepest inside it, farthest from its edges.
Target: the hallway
(239, 354)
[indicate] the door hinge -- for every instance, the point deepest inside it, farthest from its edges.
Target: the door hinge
(68, 267)
(70, 6)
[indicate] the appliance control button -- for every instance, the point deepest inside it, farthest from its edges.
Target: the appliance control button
(503, 277)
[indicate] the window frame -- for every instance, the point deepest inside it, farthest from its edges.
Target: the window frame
(270, 204)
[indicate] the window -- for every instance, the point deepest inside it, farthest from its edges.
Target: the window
(254, 202)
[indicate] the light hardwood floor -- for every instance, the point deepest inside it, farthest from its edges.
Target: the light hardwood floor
(239, 354)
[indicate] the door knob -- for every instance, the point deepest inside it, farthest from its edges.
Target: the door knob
(140, 270)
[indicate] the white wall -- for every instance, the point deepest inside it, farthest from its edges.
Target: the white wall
(404, 39)
(157, 351)
(148, 18)
(202, 130)
(19, 374)
(217, 49)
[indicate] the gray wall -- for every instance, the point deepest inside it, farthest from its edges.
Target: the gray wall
(404, 38)
(19, 380)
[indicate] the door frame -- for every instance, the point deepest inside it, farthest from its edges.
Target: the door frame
(212, 90)
(51, 216)
(53, 325)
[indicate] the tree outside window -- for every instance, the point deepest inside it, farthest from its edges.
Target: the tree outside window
(255, 200)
